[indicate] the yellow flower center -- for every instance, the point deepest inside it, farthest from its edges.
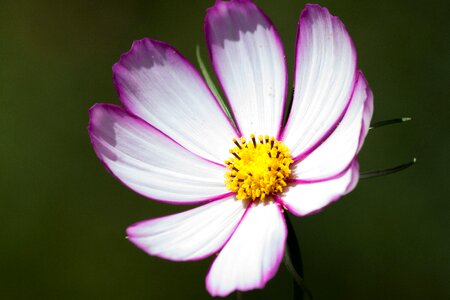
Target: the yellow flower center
(258, 168)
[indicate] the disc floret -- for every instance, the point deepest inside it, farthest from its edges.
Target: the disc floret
(258, 167)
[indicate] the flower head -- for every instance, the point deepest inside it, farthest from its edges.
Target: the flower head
(172, 142)
(258, 168)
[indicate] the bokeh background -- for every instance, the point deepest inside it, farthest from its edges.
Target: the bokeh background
(63, 217)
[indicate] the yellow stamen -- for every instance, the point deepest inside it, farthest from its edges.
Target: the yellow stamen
(257, 170)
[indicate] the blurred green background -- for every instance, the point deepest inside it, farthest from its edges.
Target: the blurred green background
(63, 217)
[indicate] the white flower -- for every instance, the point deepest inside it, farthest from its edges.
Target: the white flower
(171, 141)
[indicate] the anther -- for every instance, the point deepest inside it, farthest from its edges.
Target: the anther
(253, 175)
(237, 143)
(253, 139)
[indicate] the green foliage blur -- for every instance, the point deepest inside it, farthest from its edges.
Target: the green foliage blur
(63, 217)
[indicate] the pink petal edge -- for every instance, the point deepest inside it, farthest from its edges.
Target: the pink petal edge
(120, 111)
(208, 38)
(134, 238)
(136, 45)
(302, 20)
(269, 274)
(354, 167)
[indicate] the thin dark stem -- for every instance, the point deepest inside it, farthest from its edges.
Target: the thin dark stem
(288, 107)
(239, 295)
(384, 172)
(389, 122)
(293, 261)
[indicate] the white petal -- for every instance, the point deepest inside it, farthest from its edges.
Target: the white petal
(248, 58)
(324, 80)
(159, 85)
(340, 148)
(308, 198)
(193, 234)
(367, 116)
(253, 254)
(149, 162)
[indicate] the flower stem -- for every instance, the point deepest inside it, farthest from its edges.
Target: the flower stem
(293, 262)
(384, 172)
(239, 295)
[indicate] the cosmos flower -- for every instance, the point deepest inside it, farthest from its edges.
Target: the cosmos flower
(172, 142)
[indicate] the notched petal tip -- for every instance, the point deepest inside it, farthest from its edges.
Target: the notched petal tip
(252, 255)
(230, 29)
(157, 83)
(134, 152)
(98, 111)
(312, 10)
(137, 54)
(320, 37)
(171, 237)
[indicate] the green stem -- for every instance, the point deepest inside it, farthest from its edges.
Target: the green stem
(293, 262)
(239, 295)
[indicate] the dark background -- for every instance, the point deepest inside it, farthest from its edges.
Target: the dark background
(63, 217)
